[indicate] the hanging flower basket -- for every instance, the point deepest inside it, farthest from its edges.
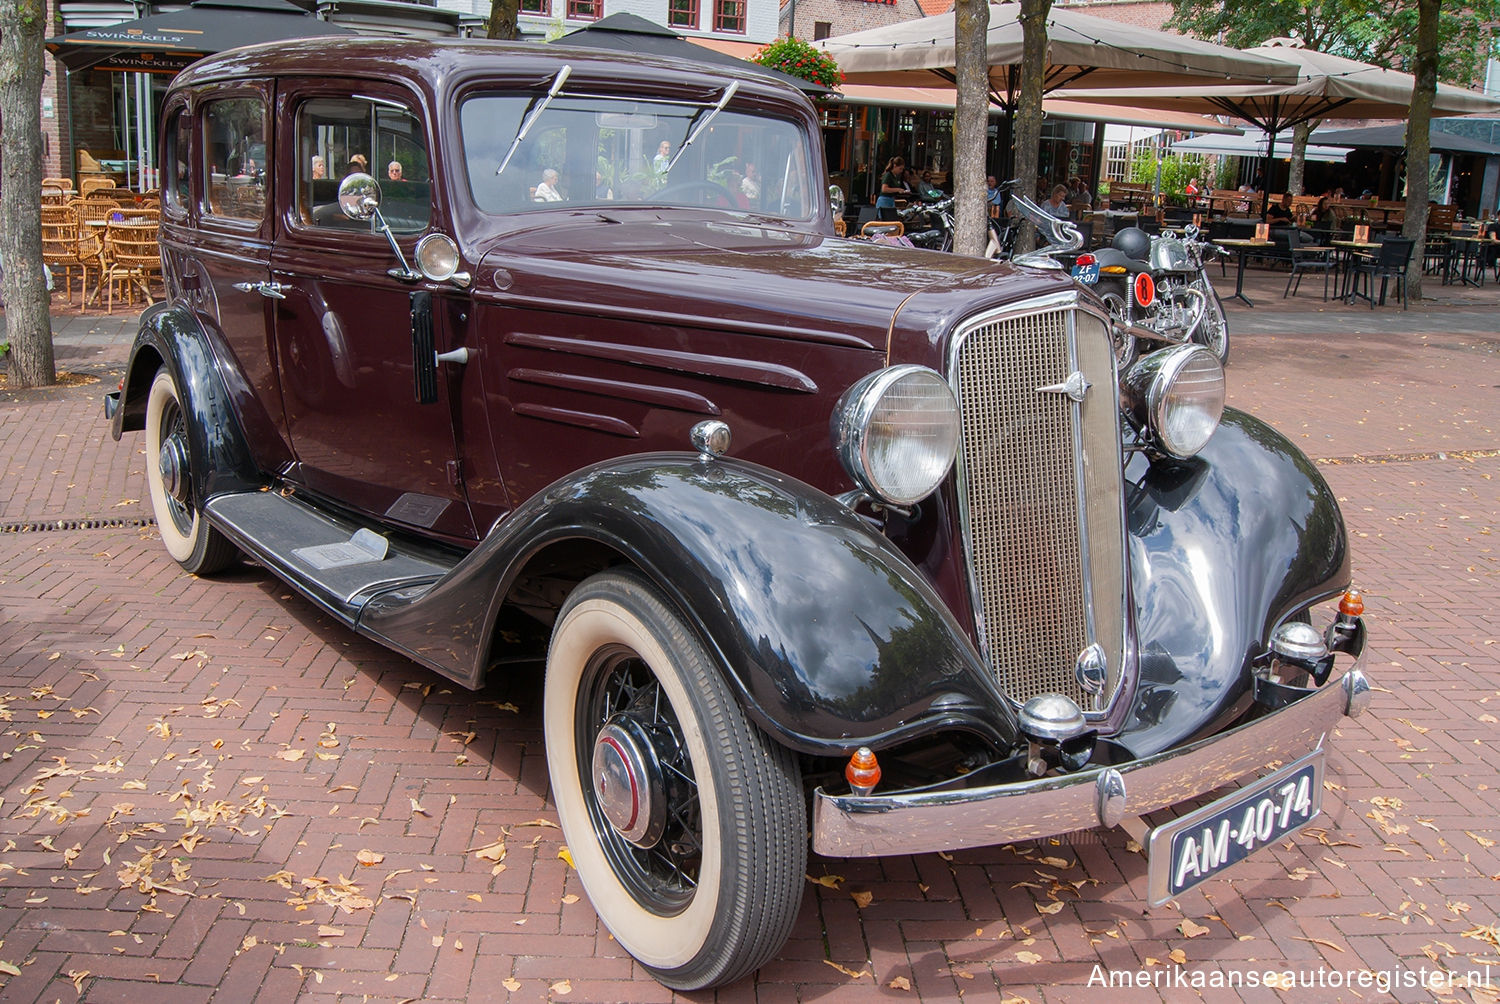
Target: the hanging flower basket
(797, 58)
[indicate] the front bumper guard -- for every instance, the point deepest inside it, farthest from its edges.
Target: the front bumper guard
(878, 825)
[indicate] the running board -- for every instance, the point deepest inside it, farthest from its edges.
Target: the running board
(337, 563)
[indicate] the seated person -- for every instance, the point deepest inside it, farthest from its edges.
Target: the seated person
(1279, 214)
(547, 190)
(1057, 204)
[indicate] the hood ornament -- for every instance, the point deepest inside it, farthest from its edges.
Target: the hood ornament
(1074, 387)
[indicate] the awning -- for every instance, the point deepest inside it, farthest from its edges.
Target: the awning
(1252, 143)
(1393, 137)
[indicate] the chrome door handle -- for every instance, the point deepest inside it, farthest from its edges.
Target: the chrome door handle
(274, 290)
(456, 356)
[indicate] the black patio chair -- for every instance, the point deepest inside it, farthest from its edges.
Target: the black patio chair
(1389, 262)
(1304, 261)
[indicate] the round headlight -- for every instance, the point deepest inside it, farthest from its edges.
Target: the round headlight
(1176, 396)
(896, 432)
(437, 257)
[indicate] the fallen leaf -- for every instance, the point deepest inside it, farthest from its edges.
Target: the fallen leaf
(570, 899)
(491, 852)
(1053, 907)
(846, 970)
(511, 983)
(1320, 941)
(325, 931)
(368, 858)
(827, 881)
(78, 976)
(900, 983)
(291, 756)
(9, 969)
(249, 942)
(416, 807)
(1030, 958)
(862, 899)
(567, 856)
(437, 941)
(562, 988)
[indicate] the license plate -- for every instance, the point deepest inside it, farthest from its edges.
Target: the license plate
(1086, 274)
(1205, 842)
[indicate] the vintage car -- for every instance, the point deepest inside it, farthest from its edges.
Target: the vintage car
(806, 534)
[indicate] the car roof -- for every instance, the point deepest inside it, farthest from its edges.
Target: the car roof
(440, 62)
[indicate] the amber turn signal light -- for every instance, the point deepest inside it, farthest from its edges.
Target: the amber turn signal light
(1352, 603)
(863, 772)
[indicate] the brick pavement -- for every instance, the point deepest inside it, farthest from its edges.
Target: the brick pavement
(212, 792)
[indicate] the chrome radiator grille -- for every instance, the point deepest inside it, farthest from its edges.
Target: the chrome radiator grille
(1039, 491)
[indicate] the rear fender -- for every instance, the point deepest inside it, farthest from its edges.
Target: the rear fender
(172, 337)
(830, 636)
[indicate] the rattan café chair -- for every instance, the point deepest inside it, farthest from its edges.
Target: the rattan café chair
(134, 261)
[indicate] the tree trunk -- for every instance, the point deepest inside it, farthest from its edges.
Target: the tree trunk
(503, 20)
(1300, 133)
(28, 321)
(1419, 141)
(1028, 131)
(970, 125)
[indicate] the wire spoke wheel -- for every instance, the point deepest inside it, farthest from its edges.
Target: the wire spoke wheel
(171, 479)
(686, 823)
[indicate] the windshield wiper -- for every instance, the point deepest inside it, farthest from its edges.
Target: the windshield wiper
(536, 113)
(729, 91)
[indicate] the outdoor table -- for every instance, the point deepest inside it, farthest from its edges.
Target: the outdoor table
(1242, 248)
(1469, 247)
(1350, 249)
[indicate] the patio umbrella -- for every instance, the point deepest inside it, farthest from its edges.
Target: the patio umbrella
(629, 33)
(1082, 50)
(166, 43)
(1393, 137)
(1325, 84)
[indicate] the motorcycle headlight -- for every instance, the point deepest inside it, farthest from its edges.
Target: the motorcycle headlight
(896, 433)
(1176, 397)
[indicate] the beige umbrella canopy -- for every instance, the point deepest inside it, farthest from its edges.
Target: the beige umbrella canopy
(1082, 51)
(1326, 85)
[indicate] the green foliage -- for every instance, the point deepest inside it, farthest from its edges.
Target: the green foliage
(797, 58)
(1367, 30)
(1176, 171)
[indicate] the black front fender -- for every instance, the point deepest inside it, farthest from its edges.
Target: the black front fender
(1223, 548)
(831, 637)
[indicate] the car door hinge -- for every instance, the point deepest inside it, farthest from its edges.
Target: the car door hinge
(456, 473)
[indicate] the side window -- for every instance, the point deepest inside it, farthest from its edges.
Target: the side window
(337, 137)
(176, 161)
(234, 153)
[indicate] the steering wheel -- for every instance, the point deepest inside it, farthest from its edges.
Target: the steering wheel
(713, 194)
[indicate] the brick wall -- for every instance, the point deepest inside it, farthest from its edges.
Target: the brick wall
(1141, 13)
(57, 159)
(844, 16)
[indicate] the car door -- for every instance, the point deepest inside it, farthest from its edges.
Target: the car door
(216, 239)
(362, 433)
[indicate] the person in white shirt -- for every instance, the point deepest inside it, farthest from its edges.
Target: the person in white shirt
(547, 190)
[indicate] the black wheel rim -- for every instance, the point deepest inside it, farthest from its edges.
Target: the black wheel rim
(664, 877)
(173, 425)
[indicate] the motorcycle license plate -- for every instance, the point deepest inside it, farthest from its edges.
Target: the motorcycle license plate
(1202, 844)
(1086, 274)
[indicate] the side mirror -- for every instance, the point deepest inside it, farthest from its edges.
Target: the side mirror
(836, 201)
(359, 196)
(359, 199)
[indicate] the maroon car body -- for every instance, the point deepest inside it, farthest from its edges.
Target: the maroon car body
(761, 500)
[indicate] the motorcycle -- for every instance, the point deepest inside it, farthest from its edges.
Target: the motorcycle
(1159, 283)
(929, 224)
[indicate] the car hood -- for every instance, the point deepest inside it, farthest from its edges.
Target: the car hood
(758, 277)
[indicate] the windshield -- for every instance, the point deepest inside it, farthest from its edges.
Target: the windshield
(590, 150)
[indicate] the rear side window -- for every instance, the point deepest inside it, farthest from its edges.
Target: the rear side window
(234, 148)
(176, 161)
(337, 137)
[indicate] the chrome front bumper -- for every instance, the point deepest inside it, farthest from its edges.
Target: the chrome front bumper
(878, 825)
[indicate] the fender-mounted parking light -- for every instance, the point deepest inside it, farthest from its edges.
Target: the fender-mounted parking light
(863, 772)
(1352, 603)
